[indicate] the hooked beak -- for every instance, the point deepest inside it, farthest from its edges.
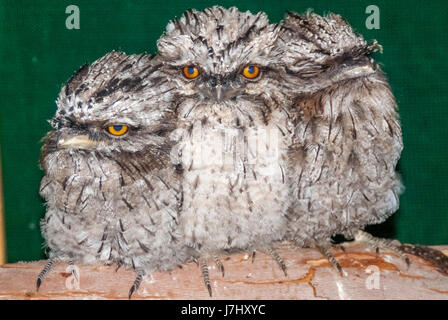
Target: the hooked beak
(81, 142)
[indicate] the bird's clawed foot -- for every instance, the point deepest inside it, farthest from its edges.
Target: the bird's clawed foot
(381, 243)
(276, 257)
(205, 275)
(219, 265)
(47, 268)
(203, 265)
(136, 283)
(325, 250)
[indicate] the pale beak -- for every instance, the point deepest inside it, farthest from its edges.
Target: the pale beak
(353, 72)
(81, 142)
(218, 92)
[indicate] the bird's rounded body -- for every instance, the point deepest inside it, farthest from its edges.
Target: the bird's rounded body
(347, 139)
(234, 183)
(111, 192)
(233, 130)
(99, 212)
(345, 164)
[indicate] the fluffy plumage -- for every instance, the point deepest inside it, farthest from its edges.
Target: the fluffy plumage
(284, 132)
(233, 130)
(347, 137)
(113, 199)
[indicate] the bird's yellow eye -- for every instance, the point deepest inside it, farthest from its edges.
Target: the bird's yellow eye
(191, 72)
(251, 72)
(117, 129)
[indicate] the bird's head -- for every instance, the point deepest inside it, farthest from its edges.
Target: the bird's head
(221, 61)
(118, 104)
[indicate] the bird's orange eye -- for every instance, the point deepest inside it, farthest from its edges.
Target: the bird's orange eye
(117, 129)
(191, 72)
(251, 72)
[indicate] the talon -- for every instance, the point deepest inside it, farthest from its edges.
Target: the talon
(219, 265)
(379, 243)
(136, 284)
(131, 291)
(278, 259)
(326, 253)
(209, 288)
(339, 268)
(47, 268)
(204, 269)
(38, 283)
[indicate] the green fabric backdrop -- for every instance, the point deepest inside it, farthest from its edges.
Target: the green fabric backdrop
(38, 54)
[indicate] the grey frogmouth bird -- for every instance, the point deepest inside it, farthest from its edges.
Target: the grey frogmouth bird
(347, 139)
(234, 130)
(111, 193)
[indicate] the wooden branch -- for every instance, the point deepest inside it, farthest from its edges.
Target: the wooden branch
(310, 276)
